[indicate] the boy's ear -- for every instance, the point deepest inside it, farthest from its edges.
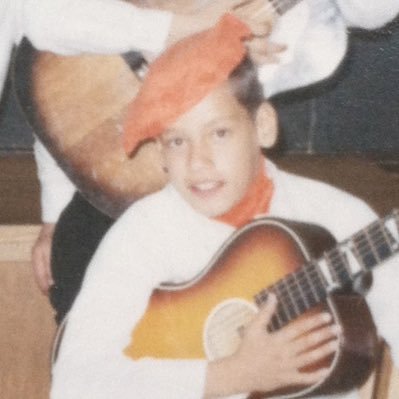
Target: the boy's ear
(266, 125)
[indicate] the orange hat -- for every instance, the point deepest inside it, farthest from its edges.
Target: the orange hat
(182, 76)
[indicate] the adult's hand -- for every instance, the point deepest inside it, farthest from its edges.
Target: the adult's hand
(255, 13)
(41, 253)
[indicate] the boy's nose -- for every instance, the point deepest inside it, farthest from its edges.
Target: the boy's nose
(200, 156)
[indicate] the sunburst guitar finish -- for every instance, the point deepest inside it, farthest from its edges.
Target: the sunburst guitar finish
(205, 317)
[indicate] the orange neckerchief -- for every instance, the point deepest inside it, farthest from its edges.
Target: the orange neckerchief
(256, 201)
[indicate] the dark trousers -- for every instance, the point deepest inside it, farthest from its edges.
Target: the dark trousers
(77, 235)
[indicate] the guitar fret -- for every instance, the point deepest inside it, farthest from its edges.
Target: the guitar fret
(295, 294)
(374, 253)
(287, 300)
(308, 289)
(318, 282)
(302, 301)
(338, 266)
(385, 247)
(290, 298)
(362, 251)
(283, 308)
(261, 297)
(374, 245)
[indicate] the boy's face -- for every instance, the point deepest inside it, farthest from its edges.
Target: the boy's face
(212, 153)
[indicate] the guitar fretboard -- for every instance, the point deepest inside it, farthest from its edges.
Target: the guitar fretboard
(280, 7)
(337, 269)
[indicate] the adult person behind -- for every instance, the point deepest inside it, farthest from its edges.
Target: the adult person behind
(81, 226)
(71, 27)
(210, 130)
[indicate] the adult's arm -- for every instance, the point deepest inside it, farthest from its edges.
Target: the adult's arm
(56, 192)
(368, 14)
(96, 26)
(56, 188)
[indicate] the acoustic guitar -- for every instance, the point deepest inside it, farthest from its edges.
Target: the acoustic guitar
(307, 271)
(76, 104)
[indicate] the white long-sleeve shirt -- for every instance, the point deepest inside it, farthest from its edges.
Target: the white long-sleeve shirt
(71, 27)
(161, 238)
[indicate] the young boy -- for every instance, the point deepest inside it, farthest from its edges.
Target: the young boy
(210, 127)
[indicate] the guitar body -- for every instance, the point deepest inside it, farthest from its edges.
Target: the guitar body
(203, 318)
(76, 104)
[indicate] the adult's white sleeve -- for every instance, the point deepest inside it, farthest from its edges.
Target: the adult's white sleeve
(96, 26)
(368, 14)
(56, 189)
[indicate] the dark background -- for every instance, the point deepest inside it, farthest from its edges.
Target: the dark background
(355, 112)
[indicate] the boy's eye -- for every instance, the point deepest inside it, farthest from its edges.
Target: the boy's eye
(222, 132)
(175, 142)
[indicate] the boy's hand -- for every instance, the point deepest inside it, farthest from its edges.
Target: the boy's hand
(268, 361)
(41, 252)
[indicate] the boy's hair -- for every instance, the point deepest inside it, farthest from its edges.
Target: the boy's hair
(246, 86)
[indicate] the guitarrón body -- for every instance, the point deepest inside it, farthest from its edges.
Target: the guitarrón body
(203, 318)
(76, 105)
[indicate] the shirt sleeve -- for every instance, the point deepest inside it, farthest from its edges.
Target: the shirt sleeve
(95, 26)
(370, 14)
(115, 294)
(383, 299)
(56, 189)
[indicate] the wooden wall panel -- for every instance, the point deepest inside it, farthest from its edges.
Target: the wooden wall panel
(26, 320)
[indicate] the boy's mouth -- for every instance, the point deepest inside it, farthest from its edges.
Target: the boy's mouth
(206, 187)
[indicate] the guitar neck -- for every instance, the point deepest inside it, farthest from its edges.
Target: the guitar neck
(280, 7)
(337, 269)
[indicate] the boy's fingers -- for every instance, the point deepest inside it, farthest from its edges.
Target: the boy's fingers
(296, 329)
(317, 354)
(267, 311)
(309, 378)
(315, 338)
